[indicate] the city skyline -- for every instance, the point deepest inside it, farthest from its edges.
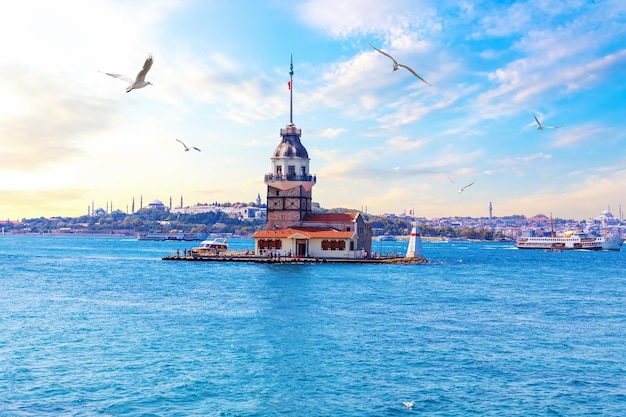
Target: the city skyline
(170, 204)
(376, 138)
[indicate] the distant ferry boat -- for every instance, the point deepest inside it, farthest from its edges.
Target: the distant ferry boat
(571, 241)
(611, 242)
(387, 238)
(178, 235)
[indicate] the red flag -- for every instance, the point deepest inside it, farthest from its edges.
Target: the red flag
(289, 85)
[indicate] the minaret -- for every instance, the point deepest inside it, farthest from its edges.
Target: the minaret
(490, 210)
(289, 184)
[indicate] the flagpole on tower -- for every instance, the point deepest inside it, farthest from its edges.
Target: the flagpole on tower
(291, 91)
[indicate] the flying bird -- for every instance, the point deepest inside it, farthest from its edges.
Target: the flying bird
(468, 185)
(540, 126)
(462, 188)
(140, 80)
(396, 65)
(186, 147)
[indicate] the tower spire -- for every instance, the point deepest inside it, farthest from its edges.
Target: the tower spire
(291, 91)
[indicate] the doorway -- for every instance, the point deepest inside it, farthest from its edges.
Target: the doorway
(301, 247)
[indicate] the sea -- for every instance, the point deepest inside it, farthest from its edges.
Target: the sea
(95, 326)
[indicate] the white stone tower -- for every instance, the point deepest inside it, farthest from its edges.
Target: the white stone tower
(289, 183)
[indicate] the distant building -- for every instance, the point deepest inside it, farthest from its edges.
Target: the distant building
(242, 212)
(251, 213)
(157, 205)
(197, 209)
(291, 226)
(606, 218)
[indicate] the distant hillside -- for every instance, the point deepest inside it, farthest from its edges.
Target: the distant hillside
(148, 220)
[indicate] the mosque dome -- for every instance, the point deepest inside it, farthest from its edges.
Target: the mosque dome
(157, 204)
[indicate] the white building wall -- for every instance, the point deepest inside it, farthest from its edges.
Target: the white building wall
(195, 209)
(314, 248)
(316, 251)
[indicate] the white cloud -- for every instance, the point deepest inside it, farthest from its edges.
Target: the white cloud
(395, 19)
(403, 143)
(525, 159)
(584, 133)
(330, 132)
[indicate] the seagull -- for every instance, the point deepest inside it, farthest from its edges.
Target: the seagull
(396, 65)
(140, 80)
(462, 188)
(408, 404)
(468, 185)
(540, 126)
(187, 148)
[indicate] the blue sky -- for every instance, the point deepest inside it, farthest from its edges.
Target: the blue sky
(378, 140)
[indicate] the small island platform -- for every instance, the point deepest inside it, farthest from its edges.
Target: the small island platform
(242, 257)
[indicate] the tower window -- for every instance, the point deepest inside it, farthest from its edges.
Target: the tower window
(303, 170)
(291, 169)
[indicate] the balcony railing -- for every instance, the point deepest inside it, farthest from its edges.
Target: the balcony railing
(290, 131)
(290, 177)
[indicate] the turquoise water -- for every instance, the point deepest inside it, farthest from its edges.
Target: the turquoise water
(103, 326)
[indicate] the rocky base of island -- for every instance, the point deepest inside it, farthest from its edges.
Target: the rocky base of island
(292, 260)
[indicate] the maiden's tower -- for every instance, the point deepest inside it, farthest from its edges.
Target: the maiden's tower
(292, 228)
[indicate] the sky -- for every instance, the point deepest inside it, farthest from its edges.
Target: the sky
(378, 140)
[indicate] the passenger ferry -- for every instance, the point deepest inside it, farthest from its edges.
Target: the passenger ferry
(177, 235)
(571, 240)
(611, 242)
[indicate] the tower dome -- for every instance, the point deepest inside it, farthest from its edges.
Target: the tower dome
(290, 146)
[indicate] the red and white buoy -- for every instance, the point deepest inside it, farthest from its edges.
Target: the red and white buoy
(415, 243)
